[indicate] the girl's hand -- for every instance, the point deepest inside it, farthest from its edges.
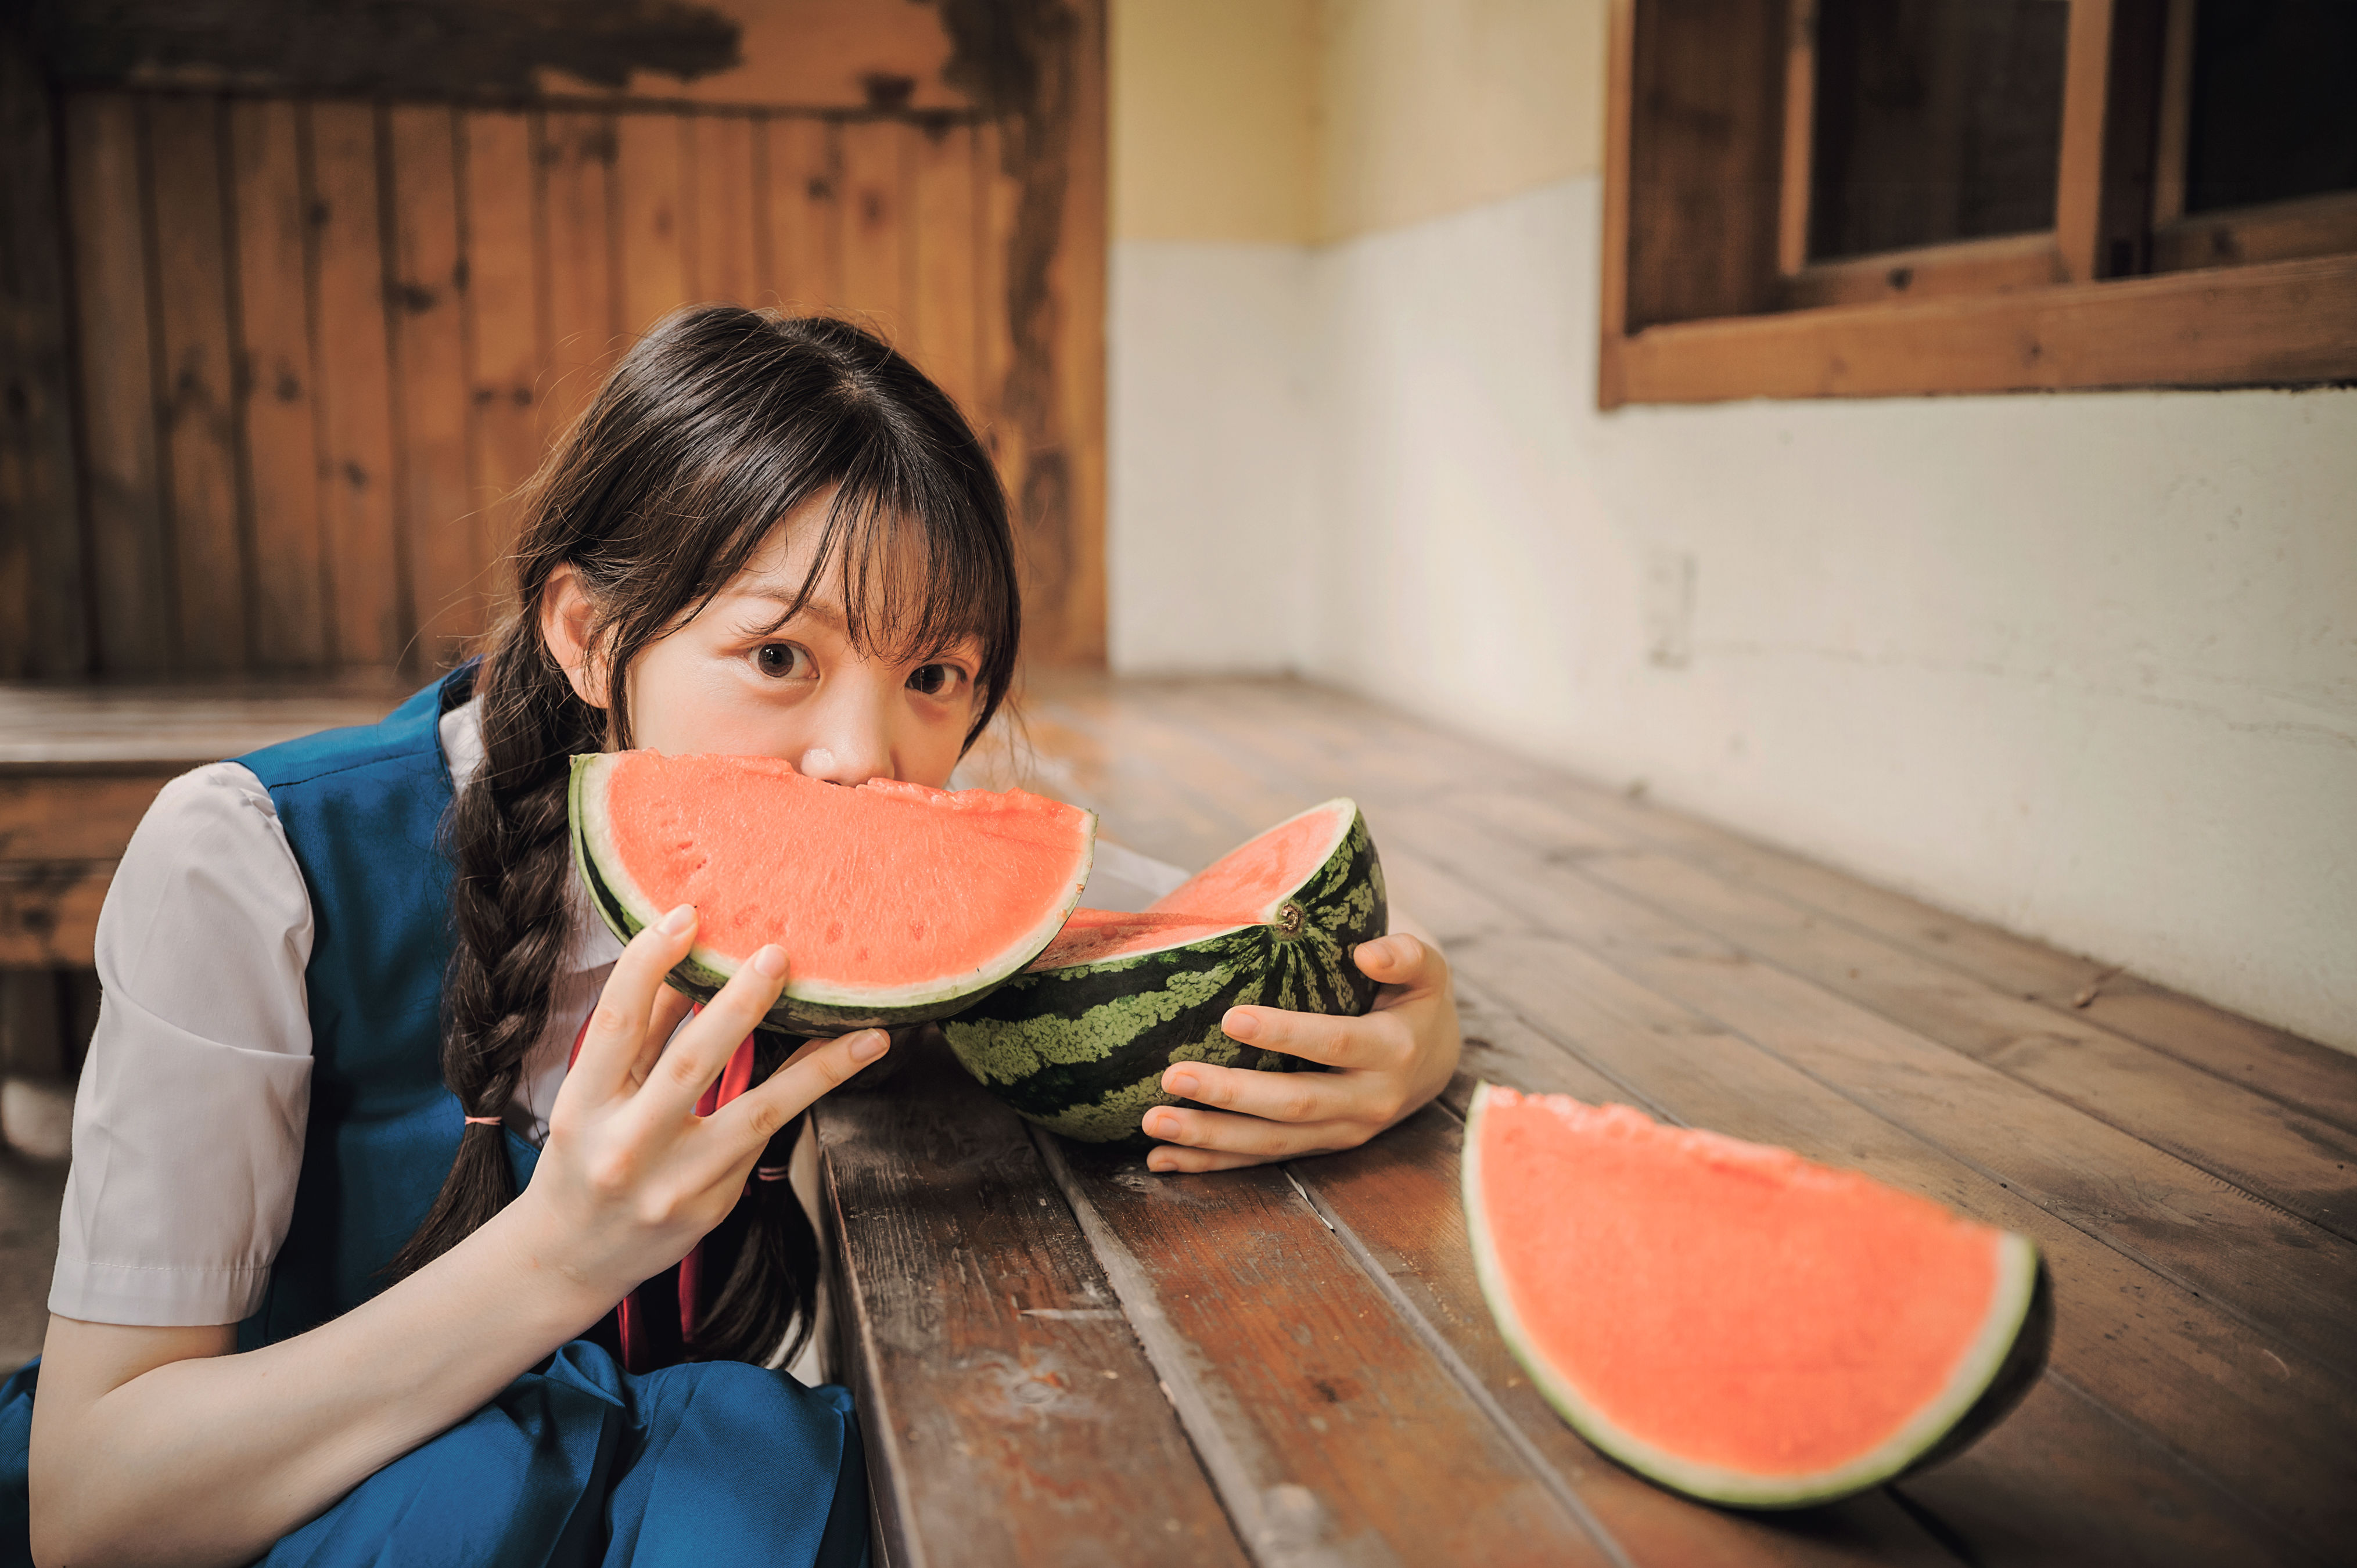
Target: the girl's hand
(1386, 1065)
(632, 1176)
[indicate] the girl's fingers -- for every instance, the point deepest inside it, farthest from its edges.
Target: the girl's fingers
(1335, 1040)
(1402, 961)
(1222, 1132)
(1169, 1159)
(1281, 1096)
(672, 1009)
(618, 1024)
(694, 1056)
(746, 1123)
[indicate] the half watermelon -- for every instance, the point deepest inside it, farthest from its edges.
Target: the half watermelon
(1077, 1043)
(1733, 1321)
(896, 904)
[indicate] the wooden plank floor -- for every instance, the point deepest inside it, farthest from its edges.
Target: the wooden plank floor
(2187, 1173)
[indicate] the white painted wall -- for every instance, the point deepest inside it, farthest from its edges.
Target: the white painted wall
(2084, 665)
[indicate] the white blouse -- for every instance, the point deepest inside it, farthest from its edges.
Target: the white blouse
(187, 1129)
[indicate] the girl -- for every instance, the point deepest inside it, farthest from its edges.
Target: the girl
(379, 1126)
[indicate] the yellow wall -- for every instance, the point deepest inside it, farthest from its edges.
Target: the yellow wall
(1213, 132)
(1296, 121)
(1431, 106)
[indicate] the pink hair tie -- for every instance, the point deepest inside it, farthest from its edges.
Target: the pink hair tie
(771, 1173)
(482, 1121)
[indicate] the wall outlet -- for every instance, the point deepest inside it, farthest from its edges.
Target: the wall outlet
(1666, 598)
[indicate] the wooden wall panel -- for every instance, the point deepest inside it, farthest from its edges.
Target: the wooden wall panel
(368, 617)
(323, 345)
(650, 173)
(875, 252)
(424, 297)
(198, 407)
(803, 162)
(279, 419)
(504, 364)
(580, 300)
(106, 201)
(724, 253)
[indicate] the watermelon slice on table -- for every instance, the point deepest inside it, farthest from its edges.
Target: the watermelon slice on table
(1077, 1043)
(1736, 1322)
(896, 904)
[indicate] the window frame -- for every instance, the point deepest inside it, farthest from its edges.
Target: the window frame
(1707, 294)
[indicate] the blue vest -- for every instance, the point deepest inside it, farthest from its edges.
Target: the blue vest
(363, 808)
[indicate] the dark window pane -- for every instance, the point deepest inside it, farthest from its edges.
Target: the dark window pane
(1936, 119)
(2275, 102)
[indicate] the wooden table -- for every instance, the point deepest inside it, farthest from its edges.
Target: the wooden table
(1062, 1357)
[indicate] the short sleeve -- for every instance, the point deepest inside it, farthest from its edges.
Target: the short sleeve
(188, 1122)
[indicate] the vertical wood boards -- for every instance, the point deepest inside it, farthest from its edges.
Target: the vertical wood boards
(579, 299)
(368, 617)
(106, 192)
(876, 251)
(724, 196)
(651, 177)
(44, 602)
(945, 332)
(425, 295)
(198, 407)
(280, 417)
(504, 379)
(1016, 1420)
(803, 165)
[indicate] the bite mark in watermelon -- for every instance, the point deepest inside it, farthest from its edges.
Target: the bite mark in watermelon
(1079, 1042)
(896, 904)
(1734, 1321)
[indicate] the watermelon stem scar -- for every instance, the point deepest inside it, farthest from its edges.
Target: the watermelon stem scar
(1733, 1321)
(1077, 1043)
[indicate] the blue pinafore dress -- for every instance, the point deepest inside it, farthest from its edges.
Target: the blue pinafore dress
(577, 1461)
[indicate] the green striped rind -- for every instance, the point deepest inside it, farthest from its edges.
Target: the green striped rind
(703, 971)
(2002, 1364)
(1082, 1049)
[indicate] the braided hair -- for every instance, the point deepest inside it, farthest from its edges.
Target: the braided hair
(716, 424)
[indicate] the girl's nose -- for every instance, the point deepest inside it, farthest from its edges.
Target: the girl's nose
(851, 749)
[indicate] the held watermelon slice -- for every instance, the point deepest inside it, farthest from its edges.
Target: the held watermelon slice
(1079, 1041)
(1733, 1321)
(896, 904)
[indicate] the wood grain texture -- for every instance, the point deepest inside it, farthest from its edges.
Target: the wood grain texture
(1009, 1413)
(210, 561)
(448, 586)
(879, 252)
(580, 299)
(72, 816)
(48, 911)
(723, 196)
(44, 599)
(504, 368)
(106, 207)
(803, 159)
(650, 173)
(281, 419)
(1331, 1431)
(368, 612)
(945, 329)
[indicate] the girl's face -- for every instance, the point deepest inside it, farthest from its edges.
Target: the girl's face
(734, 680)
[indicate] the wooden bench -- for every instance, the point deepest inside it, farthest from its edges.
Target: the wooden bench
(1062, 1357)
(79, 765)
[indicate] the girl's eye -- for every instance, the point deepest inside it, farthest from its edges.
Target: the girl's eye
(935, 680)
(779, 660)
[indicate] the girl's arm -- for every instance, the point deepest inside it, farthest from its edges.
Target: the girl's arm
(157, 1444)
(1385, 1065)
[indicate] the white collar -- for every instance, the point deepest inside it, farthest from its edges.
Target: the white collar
(592, 945)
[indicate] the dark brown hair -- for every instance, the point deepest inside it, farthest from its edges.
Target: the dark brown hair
(717, 423)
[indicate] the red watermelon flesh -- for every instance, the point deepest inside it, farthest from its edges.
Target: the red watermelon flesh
(1731, 1319)
(1244, 887)
(894, 902)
